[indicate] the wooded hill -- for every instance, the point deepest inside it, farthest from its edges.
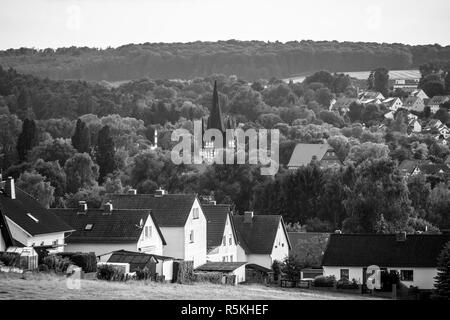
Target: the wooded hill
(249, 60)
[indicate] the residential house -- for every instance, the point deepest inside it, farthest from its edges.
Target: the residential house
(390, 115)
(180, 218)
(324, 154)
(414, 125)
(30, 224)
(110, 229)
(342, 105)
(437, 128)
(414, 104)
(435, 102)
(262, 238)
(413, 256)
(371, 97)
(226, 268)
(419, 93)
(407, 85)
(161, 265)
(221, 234)
(409, 167)
(393, 104)
(6, 239)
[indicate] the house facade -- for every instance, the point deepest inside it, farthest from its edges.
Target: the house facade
(262, 239)
(30, 224)
(180, 218)
(221, 234)
(414, 257)
(393, 104)
(414, 104)
(419, 93)
(108, 230)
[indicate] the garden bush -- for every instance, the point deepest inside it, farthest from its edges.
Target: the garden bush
(86, 261)
(57, 263)
(10, 259)
(185, 272)
(347, 284)
(43, 268)
(110, 273)
(323, 281)
(212, 277)
(144, 274)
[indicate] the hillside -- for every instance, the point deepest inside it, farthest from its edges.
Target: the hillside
(247, 59)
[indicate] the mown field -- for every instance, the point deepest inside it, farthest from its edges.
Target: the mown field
(51, 287)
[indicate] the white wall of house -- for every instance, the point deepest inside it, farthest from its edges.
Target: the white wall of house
(165, 268)
(174, 242)
(260, 259)
(100, 248)
(241, 255)
(2, 242)
(150, 241)
(42, 239)
(280, 247)
(240, 274)
(354, 273)
(227, 250)
(195, 250)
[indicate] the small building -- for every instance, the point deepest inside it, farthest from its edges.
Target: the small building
(413, 256)
(371, 97)
(408, 85)
(414, 104)
(258, 274)
(262, 238)
(435, 102)
(414, 125)
(419, 93)
(30, 224)
(222, 240)
(393, 104)
(409, 167)
(304, 154)
(236, 269)
(108, 229)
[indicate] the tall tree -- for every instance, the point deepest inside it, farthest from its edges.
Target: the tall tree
(442, 284)
(27, 139)
(81, 172)
(105, 155)
(381, 81)
(81, 139)
(36, 185)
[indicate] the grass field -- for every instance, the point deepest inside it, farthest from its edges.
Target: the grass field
(51, 287)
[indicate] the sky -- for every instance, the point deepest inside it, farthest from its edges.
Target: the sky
(102, 23)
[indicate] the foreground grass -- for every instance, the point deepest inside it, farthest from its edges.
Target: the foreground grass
(52, 287)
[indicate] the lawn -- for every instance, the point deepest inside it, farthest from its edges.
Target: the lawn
(48, 286)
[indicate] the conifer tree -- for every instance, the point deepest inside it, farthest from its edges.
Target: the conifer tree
(27, 139)
(105, 152)
(443, 278)
(81, 139)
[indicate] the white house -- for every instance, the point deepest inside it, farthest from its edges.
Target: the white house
(221, 234)
(414, 257)
(30, 224)
(419, 93)
(393, 103)
(262, 238)
(180, 218)
(103, 231)
(414, 103)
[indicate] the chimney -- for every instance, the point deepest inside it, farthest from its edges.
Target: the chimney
(82, 207)
(248, 216)
(132, 192)
(10, 188)
(107, 208)
(212, 202)
(401, 236)
(160, 192)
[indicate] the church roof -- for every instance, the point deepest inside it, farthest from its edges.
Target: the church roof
(215, 120)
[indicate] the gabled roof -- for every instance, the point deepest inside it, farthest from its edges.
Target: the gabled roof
(304, 153)
(220, 266)
(408, 166)
(437, 100)
(135, 259)
(383, 250)
(216, 217)
(371, 95)
(410, 101)
(24, 208)
(121, 226)
(169, 210)
(5, 232)
(259, 236)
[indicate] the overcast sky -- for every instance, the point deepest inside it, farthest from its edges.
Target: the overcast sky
(102, 23)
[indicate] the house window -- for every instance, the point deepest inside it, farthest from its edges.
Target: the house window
(55, 242)
(224, 241)
(406, 275)
(223, 259)
(191, 236)
(231, 258)
(195, 213)
(345, 274)
(88, 227)
(147, 232)
(230, 240)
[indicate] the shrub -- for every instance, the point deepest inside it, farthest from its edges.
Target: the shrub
(347, 284)
(86, 261)
(185, 271)
(10, 259)
(143, 274)
(43, 268)
(213, 277)
(57, 263)
(110, 273)
(323, 281)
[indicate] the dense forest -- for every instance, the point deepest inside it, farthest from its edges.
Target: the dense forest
(249, 60)
(66, 141)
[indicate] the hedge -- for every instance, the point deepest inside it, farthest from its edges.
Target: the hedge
(57, 263)
(10, 259)
(185, 272)
(322, 281)
(110, 273)
(86, 261)
(213, 277)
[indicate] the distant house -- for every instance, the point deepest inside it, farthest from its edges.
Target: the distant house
(226, 268)
(371, 95)
(436, 127)
(180, 218)
(6, 239)
(393, 104)
(342, 105)
(161, 265)
(414, 257)
(414, 104)
(414, 125)
(262, 238)
(305, 153)
(409, 167)
(419, 93)
(390, 115)
(110, 229)
(435, 102)
(407, 85)
(221, 234)
(30, 224)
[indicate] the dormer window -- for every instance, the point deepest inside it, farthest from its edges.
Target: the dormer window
(33, 217)
(195, 213)
(88, 227)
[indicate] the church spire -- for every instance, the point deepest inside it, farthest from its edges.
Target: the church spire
(215, 120)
